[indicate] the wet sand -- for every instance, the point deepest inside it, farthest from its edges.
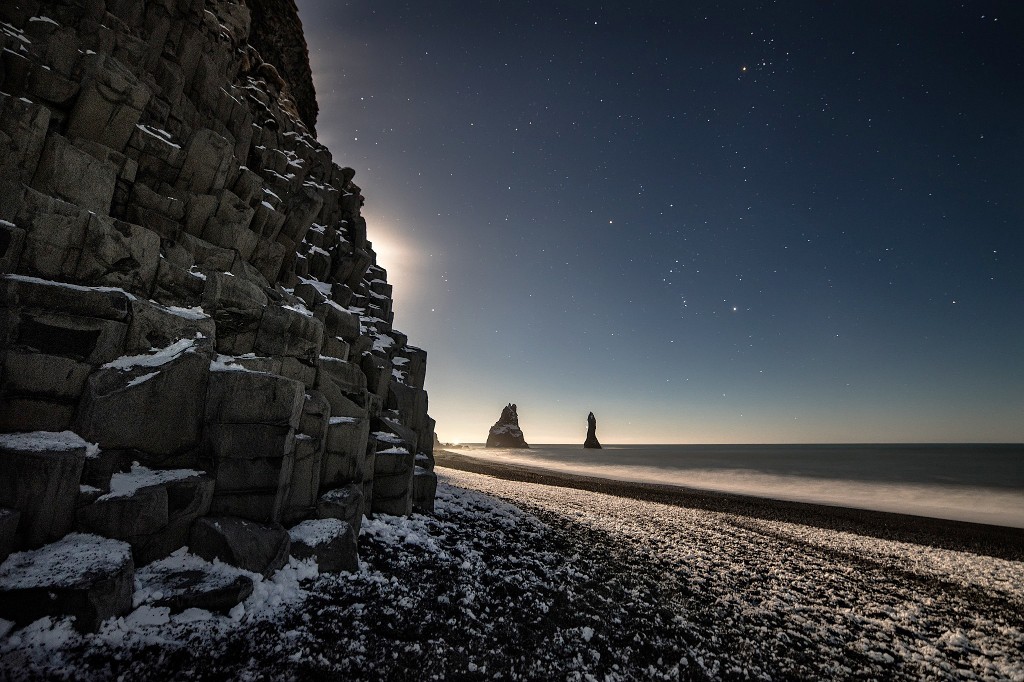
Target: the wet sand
(996, 541)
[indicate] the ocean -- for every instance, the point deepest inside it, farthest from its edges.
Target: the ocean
(983, 483)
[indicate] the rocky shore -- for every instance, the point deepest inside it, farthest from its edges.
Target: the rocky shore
(516, 580)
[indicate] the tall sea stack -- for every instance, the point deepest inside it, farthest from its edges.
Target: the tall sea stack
(591, 441)
(506, 432)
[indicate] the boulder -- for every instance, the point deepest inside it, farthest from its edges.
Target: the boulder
(251, 546)
(101, 467)
(39, 375)
(42, 471)
(506, 432)
(185, 581)
(378, 374)
(24, 124)
(414, 366)
(178, 286)
(335, 347)
(345, 504)
(332, 543)
(83, 576)
(337, 321)
(346, 377)
(253, 468)
(228, 227)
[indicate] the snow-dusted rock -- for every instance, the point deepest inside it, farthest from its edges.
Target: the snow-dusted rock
(506, 432)
(157, 326)
(424, 487)
(151, 509)
(337, 321)
(345, 459)
(378, 374)
(240, 397)
(331, 542)
(188, 498)
(344, 385)
(84, 576)
(236, 306)
(101, 467)
(184, 581)
(252, 546)
(345, 504)
(41, 474)
(152, 403)
(392, 482)
(140, 512)
(286, 332)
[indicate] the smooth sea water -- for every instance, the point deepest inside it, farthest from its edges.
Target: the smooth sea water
(983, 483)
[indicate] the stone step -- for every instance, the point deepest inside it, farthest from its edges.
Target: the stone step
(84, 576)
(184, 581)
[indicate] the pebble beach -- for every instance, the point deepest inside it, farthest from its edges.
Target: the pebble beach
(512, 579)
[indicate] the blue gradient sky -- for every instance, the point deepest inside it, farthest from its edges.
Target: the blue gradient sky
(742, 222)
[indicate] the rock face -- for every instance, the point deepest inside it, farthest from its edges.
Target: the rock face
(277, 35)
(591, 442)
(506, 432)
(196, 341)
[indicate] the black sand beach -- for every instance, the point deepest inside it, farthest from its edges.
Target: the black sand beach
(519, 580)
(995, 541)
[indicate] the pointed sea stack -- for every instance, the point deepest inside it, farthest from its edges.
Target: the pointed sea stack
(506, 432)
(591, 441)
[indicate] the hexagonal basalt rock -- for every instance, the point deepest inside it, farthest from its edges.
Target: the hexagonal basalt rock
(152, 403)
(252, 546)
(41, 476)
(84, 576)
(183, 581)
(331, 542)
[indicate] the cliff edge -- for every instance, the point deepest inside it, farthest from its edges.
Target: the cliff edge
(196, 340)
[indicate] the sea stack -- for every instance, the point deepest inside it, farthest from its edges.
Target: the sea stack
(506, 432)
(592, 441)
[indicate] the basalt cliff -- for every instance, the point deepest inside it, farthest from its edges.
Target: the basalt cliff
(196, 341)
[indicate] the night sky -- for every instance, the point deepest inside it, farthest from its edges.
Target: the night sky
(721, 222)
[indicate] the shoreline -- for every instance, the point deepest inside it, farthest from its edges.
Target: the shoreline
(1003, 542)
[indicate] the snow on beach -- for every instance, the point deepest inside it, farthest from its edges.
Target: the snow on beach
(570, 584)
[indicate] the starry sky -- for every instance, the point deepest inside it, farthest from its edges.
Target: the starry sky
(728, 222)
